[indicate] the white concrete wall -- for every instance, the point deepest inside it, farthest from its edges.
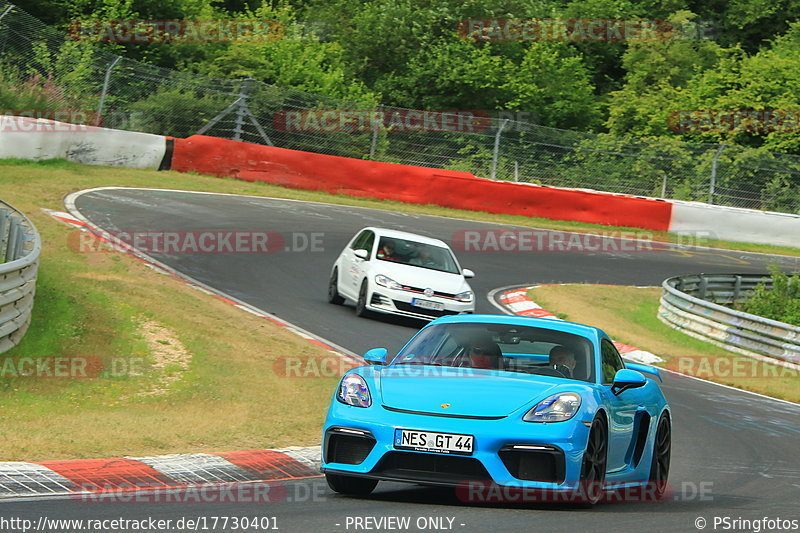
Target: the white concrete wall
(37, 139)
(735, 224)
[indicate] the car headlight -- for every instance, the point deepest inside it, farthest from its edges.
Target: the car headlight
(465, 296)
(385, 281)
(353, 391)
(555, 408)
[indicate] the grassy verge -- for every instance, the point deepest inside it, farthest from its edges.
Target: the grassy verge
(232, 393)
(629, 315)
(229, 396)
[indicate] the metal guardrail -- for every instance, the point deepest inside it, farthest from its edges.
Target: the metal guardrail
(20, 247)
(693, 304)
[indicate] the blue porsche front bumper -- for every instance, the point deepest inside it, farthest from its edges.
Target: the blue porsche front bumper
(506, 451)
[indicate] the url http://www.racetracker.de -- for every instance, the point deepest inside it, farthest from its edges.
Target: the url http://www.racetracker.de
(145, 525)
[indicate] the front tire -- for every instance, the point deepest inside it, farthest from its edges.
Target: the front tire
(333, 289)
(593, 467)
(361, 303)
(662, 451)
(354, 486)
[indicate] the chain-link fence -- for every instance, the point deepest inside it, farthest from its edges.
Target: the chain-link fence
(135, 96)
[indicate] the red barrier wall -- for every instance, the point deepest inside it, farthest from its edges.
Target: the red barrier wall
(416, 185)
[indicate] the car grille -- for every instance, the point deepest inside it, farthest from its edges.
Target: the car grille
(422, 291)
(407, 307)
(534, 465)
(347, 449)
(430, 467)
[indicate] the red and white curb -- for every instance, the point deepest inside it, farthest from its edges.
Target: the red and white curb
(78, 222)
(518, 302)
(167, 472)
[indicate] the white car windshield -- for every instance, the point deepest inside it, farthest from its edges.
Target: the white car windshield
(505, 347)
(416, 254)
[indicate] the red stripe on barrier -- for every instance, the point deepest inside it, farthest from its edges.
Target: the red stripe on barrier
(625, 348)
(268, 464)
(410, 184)
(118, 473)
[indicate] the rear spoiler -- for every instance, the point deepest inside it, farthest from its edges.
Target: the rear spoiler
(646, 369)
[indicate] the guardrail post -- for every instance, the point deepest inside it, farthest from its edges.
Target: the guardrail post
(3, 231)
(13, 240)
(737, 288)
(703, 287)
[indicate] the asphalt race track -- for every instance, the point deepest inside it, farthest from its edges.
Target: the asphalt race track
(735, 454)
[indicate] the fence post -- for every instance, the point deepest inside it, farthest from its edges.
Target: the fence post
(714, 174)
(105, 90)
(6, 11)
(374, 144)
(241, 110)
(664, 186)
(496, 153)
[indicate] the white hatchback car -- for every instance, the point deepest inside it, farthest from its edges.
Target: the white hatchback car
(400, 273)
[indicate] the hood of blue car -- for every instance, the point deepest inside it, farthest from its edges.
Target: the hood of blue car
(455, 391)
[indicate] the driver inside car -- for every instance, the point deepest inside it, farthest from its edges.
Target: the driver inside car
(485, 354)
(563, 360)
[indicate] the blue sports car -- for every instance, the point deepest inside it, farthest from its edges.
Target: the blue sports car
(529, 403)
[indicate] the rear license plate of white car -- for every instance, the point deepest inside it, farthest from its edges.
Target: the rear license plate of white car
(427, 304)
(428, 441)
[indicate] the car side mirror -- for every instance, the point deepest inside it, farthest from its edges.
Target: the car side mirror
(361, 253)
(626, 379)
(376, 356)
(468, 273)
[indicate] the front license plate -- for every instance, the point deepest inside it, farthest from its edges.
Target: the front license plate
(427, 304)
(428, 441)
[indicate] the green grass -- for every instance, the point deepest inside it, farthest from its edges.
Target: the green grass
(95, 304)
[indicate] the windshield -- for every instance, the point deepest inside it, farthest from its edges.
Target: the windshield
(416, 254)
(502, 347)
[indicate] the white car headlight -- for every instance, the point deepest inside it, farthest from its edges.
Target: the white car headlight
(555, 408)
(353, 391)
(465, 296)
(388, 282)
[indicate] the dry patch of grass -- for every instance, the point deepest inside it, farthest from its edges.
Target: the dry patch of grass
(629, 315)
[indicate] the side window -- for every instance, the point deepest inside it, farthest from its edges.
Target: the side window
(368, 243)
(611, 361)
(360, 240)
